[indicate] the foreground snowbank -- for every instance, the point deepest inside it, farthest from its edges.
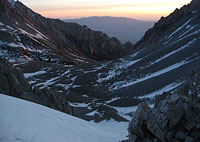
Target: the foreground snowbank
(28, 122)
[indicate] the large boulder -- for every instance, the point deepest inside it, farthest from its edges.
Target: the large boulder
(174, 118)
(12, 82)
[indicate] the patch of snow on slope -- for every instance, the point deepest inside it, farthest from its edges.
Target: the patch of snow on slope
(114, 128)
(188, 26)
(39, 34)
(136, 53)
(20, 63)
(28, 122)
(101, 67)
(160, 72)
(123, 84)
(92, 113)
(67, 86)
(116, 70)
(74, 55)
(3, 29)
(190, 29)
(51, 81)
(173, 52)
(110, 75)
(20, 45)
(1, 24)
(191, 34)
(194, 11)
(127, 63)
(162, 90)
(181, 27)
(32, 36)
(12, 2)
(27, 75)
(125, 112)
(78, 104)
(79, 60)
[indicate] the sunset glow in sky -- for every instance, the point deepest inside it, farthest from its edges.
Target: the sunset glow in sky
(138, 9)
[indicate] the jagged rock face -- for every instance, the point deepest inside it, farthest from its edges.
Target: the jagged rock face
(71, 41)
(13, 83)
(174, 118)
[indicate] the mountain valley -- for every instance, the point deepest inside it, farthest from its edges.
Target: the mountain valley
(85, 73)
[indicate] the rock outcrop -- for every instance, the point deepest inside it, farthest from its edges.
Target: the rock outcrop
(175, 118)
(13, 83)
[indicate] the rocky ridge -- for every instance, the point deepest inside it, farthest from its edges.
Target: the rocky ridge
(67, 43)
(167, 24)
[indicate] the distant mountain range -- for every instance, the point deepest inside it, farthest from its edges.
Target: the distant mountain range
(125, 29)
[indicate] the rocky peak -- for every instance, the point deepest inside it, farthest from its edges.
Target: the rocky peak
(167, 24)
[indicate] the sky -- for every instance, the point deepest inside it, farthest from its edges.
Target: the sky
(148, 10)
